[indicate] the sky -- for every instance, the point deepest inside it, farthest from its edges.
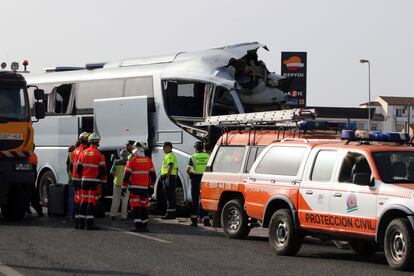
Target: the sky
(335, 34)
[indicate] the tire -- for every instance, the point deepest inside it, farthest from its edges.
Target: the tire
(46, 179)
(234, 220)
(364, 248)
(283, 237)
(17, 205)
(398, 244)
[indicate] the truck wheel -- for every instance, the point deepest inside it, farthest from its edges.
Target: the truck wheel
(364, 248)
(398, 244)
(234, 220)
(283, 237)
(17, 205)
(46, 179)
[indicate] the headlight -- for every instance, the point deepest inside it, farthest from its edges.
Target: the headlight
(23, 167)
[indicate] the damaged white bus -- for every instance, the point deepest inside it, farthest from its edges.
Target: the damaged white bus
(153, 99)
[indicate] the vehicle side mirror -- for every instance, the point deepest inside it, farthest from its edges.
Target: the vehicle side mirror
(363, 179)
(40, 110)
(39, 94)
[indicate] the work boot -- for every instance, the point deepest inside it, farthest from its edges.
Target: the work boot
(207, 222)
(194, 222)
(82, 224)
(39, 211)
(169, 216)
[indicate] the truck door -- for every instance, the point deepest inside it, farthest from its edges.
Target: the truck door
(354, 205)
(121, 119)
(273, 175)
(315, 190)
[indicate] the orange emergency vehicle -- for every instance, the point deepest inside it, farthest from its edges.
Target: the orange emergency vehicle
(303, 183)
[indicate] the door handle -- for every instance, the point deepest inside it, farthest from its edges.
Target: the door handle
(309, 192)
(296, 182)
(252, 179)
(337, 195)
(272, 181)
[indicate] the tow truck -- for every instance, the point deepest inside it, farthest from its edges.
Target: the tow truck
(302, 177)
(16, 142)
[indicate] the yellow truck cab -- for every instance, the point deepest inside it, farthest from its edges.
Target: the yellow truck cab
(16, 144)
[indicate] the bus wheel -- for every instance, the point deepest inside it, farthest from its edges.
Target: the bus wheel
(46, 179)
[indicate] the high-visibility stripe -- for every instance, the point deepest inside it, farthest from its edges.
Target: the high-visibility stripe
(21, 154)
(138, 187)
(91, 165)
(90, 217)
(87, 196)
(152, 170)
(194, 216)
(128, 169)
(81, 216)
(171, 210)
(15, 154)
(91, 179)
(139, 172)
(102, 163)
(8, 154)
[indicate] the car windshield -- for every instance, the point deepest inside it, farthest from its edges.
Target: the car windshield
(396, 166)
(13, 104)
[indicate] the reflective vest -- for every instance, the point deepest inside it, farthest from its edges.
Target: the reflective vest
(139, 174)
(74, 158)
(198, 162)
(169, 158)
(118, 168)
(91, 164)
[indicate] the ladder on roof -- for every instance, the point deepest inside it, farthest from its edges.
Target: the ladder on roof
(277, 118)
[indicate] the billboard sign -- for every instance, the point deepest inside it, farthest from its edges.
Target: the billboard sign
(294, 67)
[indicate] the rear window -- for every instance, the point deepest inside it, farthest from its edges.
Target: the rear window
(282, 161)
(324, 165)
(228, 159)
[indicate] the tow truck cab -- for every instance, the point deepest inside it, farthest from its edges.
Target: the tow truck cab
(360, 189)
(16, 144)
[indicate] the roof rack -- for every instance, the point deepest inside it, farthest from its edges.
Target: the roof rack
(63, 69)
(92, 66)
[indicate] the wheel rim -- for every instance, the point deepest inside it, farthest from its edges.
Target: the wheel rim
(233, 220)
(45, 184)
(281, 233)
(398, 245)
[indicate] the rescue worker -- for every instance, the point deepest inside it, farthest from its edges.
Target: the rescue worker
(76, 178)
(71, 191)
(34, 199)
(117, 171)
(129, 147)
(169, 177)
(195, 169)
(139, 179)
(92, 169)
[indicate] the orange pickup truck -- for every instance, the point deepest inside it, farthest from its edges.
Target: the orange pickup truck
(359, 189)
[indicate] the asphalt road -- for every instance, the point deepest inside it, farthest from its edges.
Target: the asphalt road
(47, 246)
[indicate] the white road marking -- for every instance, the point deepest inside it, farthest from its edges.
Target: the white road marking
(8, 271)
(136, 234)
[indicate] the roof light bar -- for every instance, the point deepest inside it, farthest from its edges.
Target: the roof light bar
(326, 125)
(396, 137)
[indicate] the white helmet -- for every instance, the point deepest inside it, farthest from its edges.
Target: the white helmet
(94, 137)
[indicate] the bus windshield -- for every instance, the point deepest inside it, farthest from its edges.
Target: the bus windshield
(395, 166)
(13, 104)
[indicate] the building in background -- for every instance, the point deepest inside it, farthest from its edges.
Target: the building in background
(397, 113)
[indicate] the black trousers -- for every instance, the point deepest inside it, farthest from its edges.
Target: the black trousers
(196, 210)
(169, 186)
